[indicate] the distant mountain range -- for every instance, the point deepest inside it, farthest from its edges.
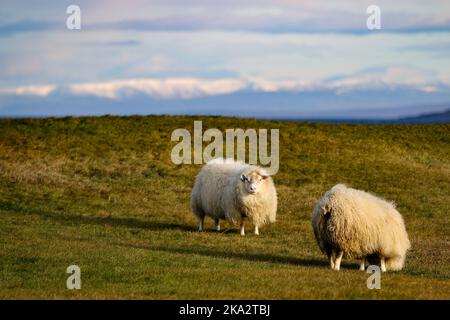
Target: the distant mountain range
(438, 117)
(399, 105)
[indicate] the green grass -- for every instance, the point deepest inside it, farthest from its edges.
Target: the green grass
(103, 194)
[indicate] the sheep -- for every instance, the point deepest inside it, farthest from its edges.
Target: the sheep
(353, 223)
(232, 190)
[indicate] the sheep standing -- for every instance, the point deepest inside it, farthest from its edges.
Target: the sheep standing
(353, 223)
(231, 190)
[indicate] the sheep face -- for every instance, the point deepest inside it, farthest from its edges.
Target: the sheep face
(253, 181)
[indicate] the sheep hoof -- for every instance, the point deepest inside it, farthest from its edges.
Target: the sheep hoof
(217, 224)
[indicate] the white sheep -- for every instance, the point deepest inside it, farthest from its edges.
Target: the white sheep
(353, 223)
(232, 190)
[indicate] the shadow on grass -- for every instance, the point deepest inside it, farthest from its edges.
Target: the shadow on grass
(111, 221)
(214, 253)
(158, 226)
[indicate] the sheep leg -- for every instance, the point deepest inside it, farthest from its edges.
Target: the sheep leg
(383, 264)
(331, 259)
(257, 230)
(217, 224)
(201, 221)
(362, 264)
(242, 228)
(337, 262)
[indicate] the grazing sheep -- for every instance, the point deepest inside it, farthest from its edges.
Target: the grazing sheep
(353, 223)
(231, 190)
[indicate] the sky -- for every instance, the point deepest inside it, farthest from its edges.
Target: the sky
(185, 50)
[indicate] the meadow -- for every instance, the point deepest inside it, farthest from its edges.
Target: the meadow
(102, 193)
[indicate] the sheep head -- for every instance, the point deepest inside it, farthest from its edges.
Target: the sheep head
(254, 180)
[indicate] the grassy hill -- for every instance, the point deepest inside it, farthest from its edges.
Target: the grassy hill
(103, 194)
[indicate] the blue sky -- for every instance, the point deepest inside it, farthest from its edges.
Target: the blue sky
(186, 49)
